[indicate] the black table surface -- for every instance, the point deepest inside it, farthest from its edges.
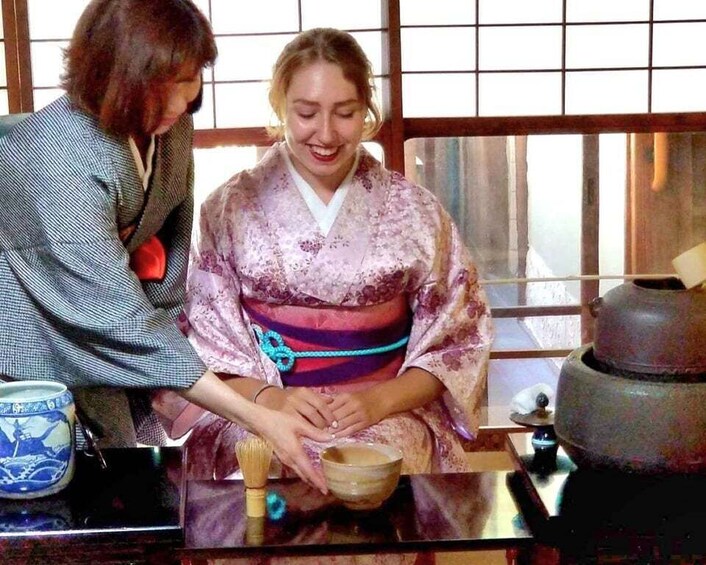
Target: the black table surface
(431, 512)
(135, 501)
(589, 512)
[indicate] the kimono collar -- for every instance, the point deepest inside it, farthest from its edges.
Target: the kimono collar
(145, 172)
(331, 262)
(324, 214)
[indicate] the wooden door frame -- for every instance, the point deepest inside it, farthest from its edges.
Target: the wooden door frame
(17, 56)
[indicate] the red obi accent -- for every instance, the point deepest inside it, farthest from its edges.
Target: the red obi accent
(149, 261)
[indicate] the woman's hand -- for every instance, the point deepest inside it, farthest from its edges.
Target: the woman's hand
(355, 411)
(300, 402)
(284, 431)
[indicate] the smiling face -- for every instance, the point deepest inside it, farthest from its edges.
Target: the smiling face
(179, 94)
(323, 125)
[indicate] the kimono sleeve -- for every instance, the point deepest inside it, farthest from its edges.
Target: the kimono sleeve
(452, 331)
(217, 327)
(90, 317)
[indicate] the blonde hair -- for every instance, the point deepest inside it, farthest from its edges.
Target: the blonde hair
(331, 46)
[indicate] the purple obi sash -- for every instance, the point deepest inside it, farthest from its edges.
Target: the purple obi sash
(326, 346)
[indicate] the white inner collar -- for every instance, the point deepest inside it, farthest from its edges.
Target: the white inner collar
(144, 173)
(324, 214)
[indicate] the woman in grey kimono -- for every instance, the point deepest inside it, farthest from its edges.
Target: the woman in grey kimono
(95, 227)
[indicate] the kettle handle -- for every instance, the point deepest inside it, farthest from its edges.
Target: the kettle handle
(594, 306)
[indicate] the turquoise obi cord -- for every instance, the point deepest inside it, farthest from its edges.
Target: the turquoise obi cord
(273, 346)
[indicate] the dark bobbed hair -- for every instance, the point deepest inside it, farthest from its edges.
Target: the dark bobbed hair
(123, 51)
(332, 46)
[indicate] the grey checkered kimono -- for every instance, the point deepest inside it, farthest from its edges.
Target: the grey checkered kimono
(71, 309)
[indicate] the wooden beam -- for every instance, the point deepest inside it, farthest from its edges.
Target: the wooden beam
(589, 230)
(17, 56)
(525, 125)
(537, 311)
(529, 353)
(392, 86)
(206, 139)
(521, 213)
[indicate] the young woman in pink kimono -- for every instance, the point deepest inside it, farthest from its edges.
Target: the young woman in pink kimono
(326, 287)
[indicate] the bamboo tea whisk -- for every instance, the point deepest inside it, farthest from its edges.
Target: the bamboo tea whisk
(254, 455)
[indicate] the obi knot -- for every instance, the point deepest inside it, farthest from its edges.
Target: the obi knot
(272, 345)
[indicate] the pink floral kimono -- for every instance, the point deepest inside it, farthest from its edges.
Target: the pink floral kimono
(390, 287)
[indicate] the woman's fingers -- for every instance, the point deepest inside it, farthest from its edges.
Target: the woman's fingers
(299, 462)
(295, 457)
(310, 413)
(343, 430)
(313, 406)
(353, 412)
(310, 474)
(346, 408)
(312, 432)
(323, 406)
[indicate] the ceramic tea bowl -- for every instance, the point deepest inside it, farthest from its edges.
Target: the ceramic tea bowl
(362, 475)
(37, 421)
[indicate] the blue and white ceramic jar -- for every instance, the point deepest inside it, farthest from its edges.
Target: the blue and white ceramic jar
(37, 420)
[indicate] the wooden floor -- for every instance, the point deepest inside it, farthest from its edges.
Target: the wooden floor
(490, 461)
(471, 558)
